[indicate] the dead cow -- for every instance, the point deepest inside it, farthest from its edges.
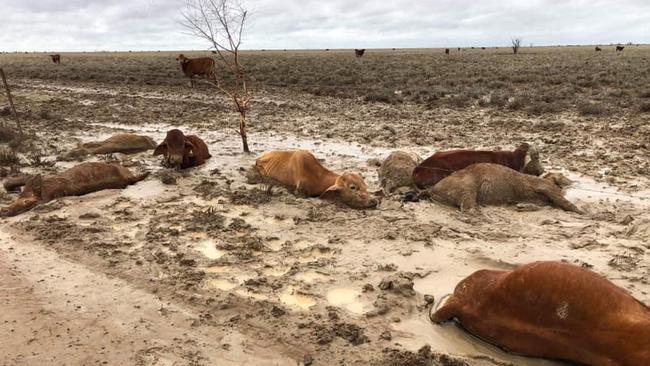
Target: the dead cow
(125, 143)
(553, 310)
(397, 170)
(56, 58)
(197, 66)
(182, 152)
(76, 181)
(493, 184)
(301, 172)
(442, 163)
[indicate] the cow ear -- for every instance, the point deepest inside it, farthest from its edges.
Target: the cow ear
(160, 149)
(189, 147)
(332, 192)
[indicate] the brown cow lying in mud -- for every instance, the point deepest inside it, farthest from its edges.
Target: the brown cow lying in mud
(182, 152)
(553, 310)
(443, 163)
(76, 181)
(494, 184)
(125, 143)
(302, 173)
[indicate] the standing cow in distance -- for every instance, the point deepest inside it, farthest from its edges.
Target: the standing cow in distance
(197, 66)
(619, 48)
(598, 49)
(56, 58)
(553, 310)
(359, 52)
(446, 51)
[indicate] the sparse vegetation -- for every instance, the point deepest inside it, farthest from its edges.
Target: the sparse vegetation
(8, 157)
(516, 43)
(554, 77)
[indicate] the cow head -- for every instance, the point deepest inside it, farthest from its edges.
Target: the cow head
(559, 180)
(532, 164)
(181, 58)
(352, 190)
(174, 148)
(29, 198)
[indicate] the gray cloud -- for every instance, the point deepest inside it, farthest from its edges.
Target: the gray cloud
(74, 25)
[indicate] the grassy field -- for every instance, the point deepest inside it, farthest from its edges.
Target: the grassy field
(539, 80)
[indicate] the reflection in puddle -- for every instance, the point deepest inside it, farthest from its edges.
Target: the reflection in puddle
(309, 276)
(275, 271)
(217, 269)
(292, 298)
(145, 189)
(221, 284)
(345, 297)
(247, 293)
(416, 332)
(208, 248)
(587, 189)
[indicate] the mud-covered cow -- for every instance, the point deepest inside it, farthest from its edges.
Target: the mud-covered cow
(125, 143)
(493, 184)
(76, 181)
(302, 173)
(553, 310)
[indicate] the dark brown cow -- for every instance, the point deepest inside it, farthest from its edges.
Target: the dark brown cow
(553, 310)
(197, 66)
(619, 48)
(598, 49)
(446, 51)
(443, 163)
(56, 58)
(301, 172)
(76, 181)
(359, 52)
(182, 152)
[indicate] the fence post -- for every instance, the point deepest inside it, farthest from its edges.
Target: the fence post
(11, 101)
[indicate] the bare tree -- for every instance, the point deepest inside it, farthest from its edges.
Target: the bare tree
(221, 23)
(516, 43)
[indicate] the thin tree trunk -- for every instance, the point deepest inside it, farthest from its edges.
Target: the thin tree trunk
(11, 101)
(242, 132)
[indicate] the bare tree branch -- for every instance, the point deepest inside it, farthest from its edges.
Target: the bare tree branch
(221, 23)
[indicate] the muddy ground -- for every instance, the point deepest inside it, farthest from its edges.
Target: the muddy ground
(210, 270)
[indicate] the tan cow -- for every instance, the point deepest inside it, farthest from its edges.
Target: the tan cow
(494, 184)
(302, 173)
(125, 143)
(76, 181)
(197, 66)
(553, 310)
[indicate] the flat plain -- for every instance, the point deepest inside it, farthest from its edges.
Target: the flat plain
(211, 270)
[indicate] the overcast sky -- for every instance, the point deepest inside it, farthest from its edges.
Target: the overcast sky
(90, 25)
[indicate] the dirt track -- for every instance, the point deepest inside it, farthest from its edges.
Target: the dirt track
(214, 271)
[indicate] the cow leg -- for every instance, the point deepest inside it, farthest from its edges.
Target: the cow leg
(556, 198)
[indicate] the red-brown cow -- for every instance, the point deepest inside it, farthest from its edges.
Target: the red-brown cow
(301, 172)
(182, 152)
(443, 163)
(56, 58)
(196, 66)
(553, 310)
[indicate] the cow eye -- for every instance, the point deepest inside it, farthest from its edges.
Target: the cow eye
(353, 187)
